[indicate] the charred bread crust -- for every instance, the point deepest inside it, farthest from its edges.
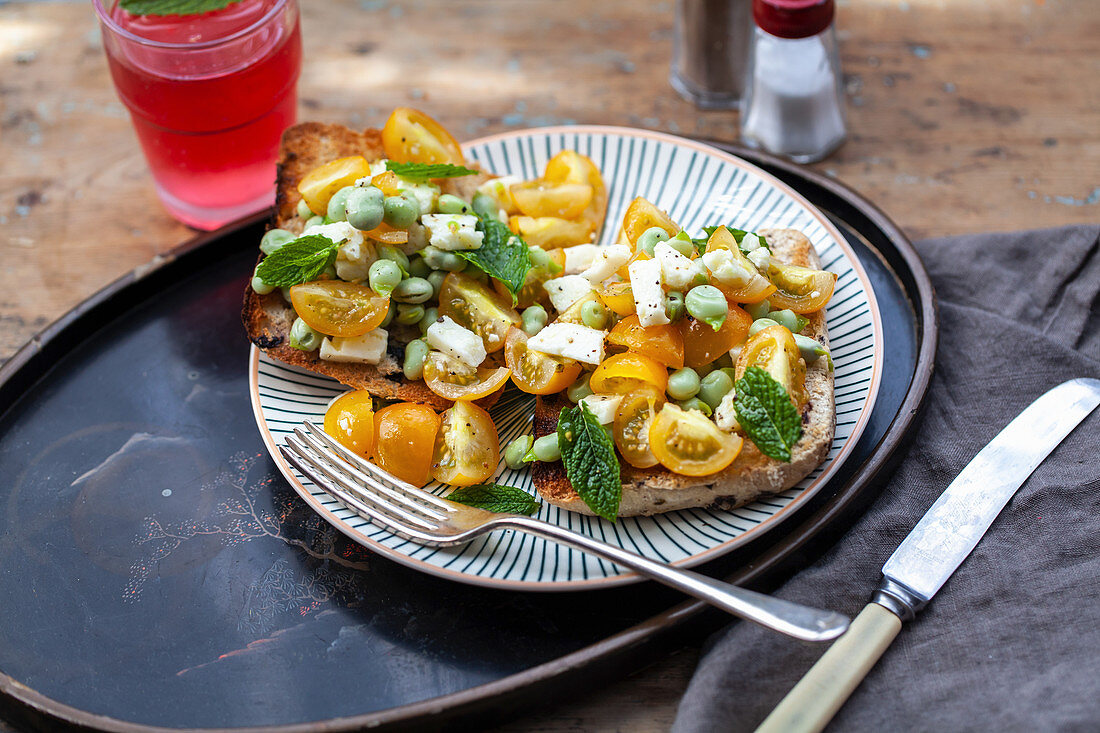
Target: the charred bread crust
(752, 474)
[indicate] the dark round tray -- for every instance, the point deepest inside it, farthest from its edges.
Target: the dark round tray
(157, 572)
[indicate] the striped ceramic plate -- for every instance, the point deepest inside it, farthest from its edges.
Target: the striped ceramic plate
(698, 186)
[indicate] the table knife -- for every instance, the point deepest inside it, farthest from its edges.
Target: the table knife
(938, 544)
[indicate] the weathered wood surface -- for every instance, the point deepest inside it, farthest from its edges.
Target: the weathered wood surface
(965, 116)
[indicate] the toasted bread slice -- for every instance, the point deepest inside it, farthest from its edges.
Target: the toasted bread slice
(752, 474)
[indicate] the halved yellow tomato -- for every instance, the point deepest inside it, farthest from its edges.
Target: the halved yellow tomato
(642, 215)
(618, 296)
(410, 136)
(452, 380)
(630, 428)
(756, 288)
(703, 345)
(404, 437)
(338, 308)
(775, 351)
(662, 343)
(689, 443)
(318, 186)
(569, 166)
(546, 198)
(532, 291)
(387, 182)
(800, 289)
(535, 372)
(551, 232)
(350, 419)
(388, 235)
(474, 306)
(628, 372)
(467, 449)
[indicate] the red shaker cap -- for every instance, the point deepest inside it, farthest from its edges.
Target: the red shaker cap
(793, 18)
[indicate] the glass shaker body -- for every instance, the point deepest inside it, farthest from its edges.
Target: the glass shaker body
(710, 47)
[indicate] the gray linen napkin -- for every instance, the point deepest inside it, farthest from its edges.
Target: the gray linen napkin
(1012, 641)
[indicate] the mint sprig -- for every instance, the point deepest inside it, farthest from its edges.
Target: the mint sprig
(766, 414)
(588, 455)
(173, 7)
(502, 255)
(497, 498)
(298, 261)
(426, 171)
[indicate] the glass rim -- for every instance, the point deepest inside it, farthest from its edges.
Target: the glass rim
(109, 23)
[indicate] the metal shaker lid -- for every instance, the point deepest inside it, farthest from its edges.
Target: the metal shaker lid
(793, 18)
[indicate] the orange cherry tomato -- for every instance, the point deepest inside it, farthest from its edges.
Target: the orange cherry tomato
(627, 372)
(775, 351)
(800, 289)
(410, 136)
(662, 343)
(689, 443)
(618, 296)
(532, 291)
(338, 308)
(569, 166)
(404, 436)
(388, 235)
(350, 419)
(452, 380)
(546, 198)
(467, 449)
(387, 182)
(551, 232)
(703, 345)
(756, 288)
(318, 186)
(474, 306)
(535, 372)
(642, 215)
(630, 428)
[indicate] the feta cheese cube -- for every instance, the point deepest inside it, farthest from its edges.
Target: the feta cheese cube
(453, 231)
(760, 258)
(366, 349)
(603, 406)
(726, 414)
(425, 194)
(354, 258)
(565, 291)
(570, 341)
(750, 243)
(456, 341)
(677, 271)
(578, 258)
(649, 296)
(725, 269)
(606, 262)
(336, 232)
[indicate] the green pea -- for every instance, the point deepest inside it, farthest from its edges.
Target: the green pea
(260, 286)
(758, 310)
(485, 205)
(409, 314)
(418, 267)
(579, 389)
(451, 204)
(274, 239)
(391, 313)
(304, 212)
(760, 324)
(314, 221)
(546, 448)
(714, 387)
(286, 293)
(801, 322)
(684, 247)
(786, 318)
(383, 276)
(336, 210)
(649, 239)
(364, 207)
(431, 315)
(303, 337)
(400, 212)
(539, 257)
(412, 290)
(329, 273)
(439, 259)
(707, 304)
(595, 315)
(436, 278)
(674, 305)
(731, 373)
(416, 353)
(389, 252)
(811, 349)
(534, 319)
(696, 404)
(515, 451)
(683, 384)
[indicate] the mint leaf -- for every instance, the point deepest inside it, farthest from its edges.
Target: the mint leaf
(765, 412)
(590, 463)
(173, 7)
(495, 498)
(298, 261)
(502, 255)
(424, 171)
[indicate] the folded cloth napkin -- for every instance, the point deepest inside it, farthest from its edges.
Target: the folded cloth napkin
(1012, 641)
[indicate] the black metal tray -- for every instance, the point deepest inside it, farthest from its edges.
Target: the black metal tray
(157, 572)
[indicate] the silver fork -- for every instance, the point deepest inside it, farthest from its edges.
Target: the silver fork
(418, 515)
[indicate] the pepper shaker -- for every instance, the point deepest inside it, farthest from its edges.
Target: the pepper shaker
(710, 47)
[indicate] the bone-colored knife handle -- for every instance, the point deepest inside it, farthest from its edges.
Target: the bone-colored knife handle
(819, 694)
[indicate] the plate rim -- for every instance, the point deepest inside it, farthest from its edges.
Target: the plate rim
(751, 535)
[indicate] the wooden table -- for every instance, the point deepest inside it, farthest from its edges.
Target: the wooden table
(964, 115)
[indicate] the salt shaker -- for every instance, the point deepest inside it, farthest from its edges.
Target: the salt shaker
(793, 105)
(710, 48)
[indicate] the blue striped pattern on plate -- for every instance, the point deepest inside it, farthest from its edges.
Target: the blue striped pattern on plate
(698, 186)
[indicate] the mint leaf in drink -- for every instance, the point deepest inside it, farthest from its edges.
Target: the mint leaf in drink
(173, 7)
(425, 171)
(502, 255)
(766, 414)
(495, 498)
(298, 261)
(590, 463)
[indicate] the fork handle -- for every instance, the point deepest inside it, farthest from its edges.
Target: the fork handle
(792, 619)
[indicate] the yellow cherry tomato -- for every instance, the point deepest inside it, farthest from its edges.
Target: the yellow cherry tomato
(775, 351)
(452, 380)
(662, 343)
(467, 449)
(404, 437)
(551, 232)
(350, 419)
(318, 186)
(474, 306)
(535, 372)
(410, 136)
(627, 372)
(387, 182)
(756, 288)
(388, 235)
(546, 198)
(689, 443)
(569, 166)
(633, 418)
(618, 296)
(800, 289)
(642, 215)
(702, 344)
(338, 308)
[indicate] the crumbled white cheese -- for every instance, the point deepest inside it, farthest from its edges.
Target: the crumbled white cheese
(606, 262)
(760, 258)
(425, 194)
(418, 238)
(355, 256)
(453, 231)
(336, 232)
(750, 243)
(726, 415)
(497, 189)
(571, 341)
(603, 407)
(456, 341)
(565, 291)
(649, 296)
(366, 349)
(725, 269)
(677, 271)
(579, 258)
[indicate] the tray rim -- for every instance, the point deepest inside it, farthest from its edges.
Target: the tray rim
(28, 706)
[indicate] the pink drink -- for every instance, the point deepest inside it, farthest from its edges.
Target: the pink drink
(209, 96)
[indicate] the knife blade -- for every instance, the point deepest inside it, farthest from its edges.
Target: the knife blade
(933, 550)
